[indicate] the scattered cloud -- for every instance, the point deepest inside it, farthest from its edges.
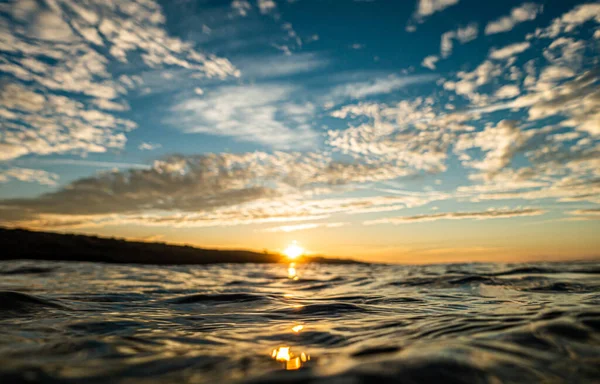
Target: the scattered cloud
(430, 61)
(571, 20)
(378, 86)
(482, 215)
(223, 189)
(241, 7)
(587, 214)
(144, 146)
(507, 92)
(87, 163)
(266, 6)
(524, 12)
(303, 227)
(462, 34)
(29, 175)
(265, 114)
(62, 92)
(499, 143)
(277, 66)
(509, 51)
(426, 8)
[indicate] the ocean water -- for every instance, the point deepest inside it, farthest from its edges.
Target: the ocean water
(467, 323)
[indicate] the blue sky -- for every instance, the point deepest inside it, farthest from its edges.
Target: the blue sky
(386, 130)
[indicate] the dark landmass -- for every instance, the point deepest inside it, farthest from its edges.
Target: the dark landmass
(24, 244)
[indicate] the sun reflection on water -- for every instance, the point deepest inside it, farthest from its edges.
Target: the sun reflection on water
(290, 360)
(292, 273)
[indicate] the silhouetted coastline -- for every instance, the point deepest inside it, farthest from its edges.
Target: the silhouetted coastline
(33, 245)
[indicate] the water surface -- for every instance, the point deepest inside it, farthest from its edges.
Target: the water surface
(469, 323)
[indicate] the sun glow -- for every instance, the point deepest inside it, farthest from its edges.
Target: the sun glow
(293, 251)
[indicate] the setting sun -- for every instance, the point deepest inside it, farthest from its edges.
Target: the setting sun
(293, 251)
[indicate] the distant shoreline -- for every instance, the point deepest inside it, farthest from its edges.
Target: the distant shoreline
(23, 244)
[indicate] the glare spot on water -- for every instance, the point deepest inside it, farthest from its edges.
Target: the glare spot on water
(297, 328)
(290, 360)
(282, 354)
(292, 273)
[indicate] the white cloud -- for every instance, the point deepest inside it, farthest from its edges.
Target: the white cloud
(509, 51)
(62, 96)
(430, 61)
(571, 20)
(468, 82)
(144, 146)
(29, 175)
(378, 86)
(507, 92)
(266, 6)
(241, 7)
(281, 66)
(520, 14)
(500, 143)
(462, 34)
(252, 113)
(427, 8)
(405, 138)
(88, 163)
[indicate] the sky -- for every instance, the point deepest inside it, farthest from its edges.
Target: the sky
(417, 131)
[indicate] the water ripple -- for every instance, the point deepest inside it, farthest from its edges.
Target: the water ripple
(468, 323)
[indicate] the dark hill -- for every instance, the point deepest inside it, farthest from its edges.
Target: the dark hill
(25, 244)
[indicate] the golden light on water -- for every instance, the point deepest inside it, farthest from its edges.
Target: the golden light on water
(293, 251)
(290, 360)
(282, 354)
(292, 273)
(297, 328)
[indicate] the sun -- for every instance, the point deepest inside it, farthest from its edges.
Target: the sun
(293, 251)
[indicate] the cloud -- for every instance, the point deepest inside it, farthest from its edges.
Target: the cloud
(429, 62)
(426, 8)
(144, 146)
(266, 6)
(264, 114)
(509, 51)
(500, 143)
(524, 12)
(268, 67)
(462, 34)
(468, 82)
(303, 227)
(587, 214)
(241, 7)
(482, 215)
(507, 92)
(29, 175)
(87, 163)
(61, 91)
(378, 86)
(571, 20)
(407, 138)
(208, 190)
(589, 211)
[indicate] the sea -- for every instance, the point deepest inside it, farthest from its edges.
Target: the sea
(77, 322)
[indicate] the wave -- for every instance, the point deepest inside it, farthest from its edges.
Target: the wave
(469, 323)
(16, 301)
